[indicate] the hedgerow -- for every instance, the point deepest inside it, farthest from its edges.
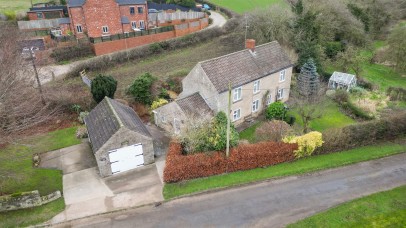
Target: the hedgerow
(181, 167)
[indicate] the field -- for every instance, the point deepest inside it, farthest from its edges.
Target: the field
(383, 209)
(16, 5)
(242, 6)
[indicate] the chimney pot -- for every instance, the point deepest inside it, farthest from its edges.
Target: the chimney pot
(250, 44)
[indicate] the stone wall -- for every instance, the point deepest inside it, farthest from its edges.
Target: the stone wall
(26, 200)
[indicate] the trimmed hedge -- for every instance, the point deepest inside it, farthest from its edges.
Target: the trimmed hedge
(249, 156)
(362, 134)
(73, 52)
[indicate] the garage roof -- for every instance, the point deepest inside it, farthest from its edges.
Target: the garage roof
(107, 118)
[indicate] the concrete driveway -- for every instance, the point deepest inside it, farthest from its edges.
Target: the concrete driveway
(86, 193)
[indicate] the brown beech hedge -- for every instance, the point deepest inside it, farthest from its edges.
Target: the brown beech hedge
(181, 167)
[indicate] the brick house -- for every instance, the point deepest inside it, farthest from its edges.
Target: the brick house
(258, 76)
(47, 12)
(97, 18)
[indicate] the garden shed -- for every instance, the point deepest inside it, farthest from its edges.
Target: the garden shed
(120, 140)
(341, 80)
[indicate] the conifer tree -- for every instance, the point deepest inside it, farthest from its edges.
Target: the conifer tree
(308, 80)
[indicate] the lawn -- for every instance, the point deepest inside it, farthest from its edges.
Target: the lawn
(298, 167)
(332, 118)
(383, 209)
(16, 5)
(18, 174)
(241, 6)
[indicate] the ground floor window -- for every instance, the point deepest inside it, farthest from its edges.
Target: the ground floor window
(280, 94)
(269, 99)
(237, 114)
(255, 105)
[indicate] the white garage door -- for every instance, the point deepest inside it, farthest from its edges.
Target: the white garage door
(126, 158)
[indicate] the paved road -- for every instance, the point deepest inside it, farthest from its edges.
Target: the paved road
(268, 204)
(218, 19)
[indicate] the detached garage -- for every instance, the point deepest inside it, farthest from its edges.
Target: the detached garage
(119, 139)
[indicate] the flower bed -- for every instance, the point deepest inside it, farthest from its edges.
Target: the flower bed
(181, 167)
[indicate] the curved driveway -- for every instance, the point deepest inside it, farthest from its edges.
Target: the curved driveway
(268, 204)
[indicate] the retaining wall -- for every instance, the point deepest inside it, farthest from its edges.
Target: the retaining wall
(26, 200)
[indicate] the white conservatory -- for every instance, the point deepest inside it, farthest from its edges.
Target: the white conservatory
(341, 80)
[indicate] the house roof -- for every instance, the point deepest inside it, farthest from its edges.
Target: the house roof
(342, 78)
(107, 118)
(64, 20)
(125, 20)
(77, 3)
(194, 105)
(242, 67)
(48, 8)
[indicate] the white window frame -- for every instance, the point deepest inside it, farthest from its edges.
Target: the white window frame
(235, 117)
(282, 76)
(257, 85)
(133, 23)
(132, 7)
(280, 94)
(79, 29)
(269, 99)
(105, 29)
(237, 94)
(255, 106)
(142, 24)
(40, 17)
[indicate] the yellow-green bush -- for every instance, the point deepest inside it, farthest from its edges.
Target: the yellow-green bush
(158, 103)
(307, 143)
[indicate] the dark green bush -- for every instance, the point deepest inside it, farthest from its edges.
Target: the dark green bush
(333, 48)
(140, 89)
(103, 86)
(275, 110)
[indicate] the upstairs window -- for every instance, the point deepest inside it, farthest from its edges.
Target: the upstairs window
(282, 76)
(79, 28)
(140, 9)
(237, 94)
(132, 10)
(105, 29)
(256, 86)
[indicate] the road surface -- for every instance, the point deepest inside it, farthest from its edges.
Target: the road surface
(267, 204)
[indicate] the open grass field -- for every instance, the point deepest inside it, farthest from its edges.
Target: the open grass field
(16, 5)
(383, 209)
(298, 167)
(17, 174)
(241, 6)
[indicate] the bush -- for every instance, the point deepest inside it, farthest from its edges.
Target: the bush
(396, 93)
(362, 134)
(244, 157)
(362, 82)
(103, 86)
(333, 48)
(208, 135)
(73, 52)
(140, 89)
(340, 96)
(158, 103)
(307, 143)
(274, 130)
(81, 132)
(82, 116)
(358, 112)
(275, 110)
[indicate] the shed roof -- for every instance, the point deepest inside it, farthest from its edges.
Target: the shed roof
(48, 8)
(342, 78)
(64, 20)
(107, 118)
(159, 7)
(76, 3)
(193, 104)
(242, 67)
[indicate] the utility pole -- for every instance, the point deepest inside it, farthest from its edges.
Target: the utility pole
(37, 78)
(246, 30)
(228, 120)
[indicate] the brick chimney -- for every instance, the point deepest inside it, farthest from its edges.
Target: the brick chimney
(250, 44)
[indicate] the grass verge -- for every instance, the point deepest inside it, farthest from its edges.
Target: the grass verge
(301, 166)
(241, 6)
(18, 175)
(383, 209)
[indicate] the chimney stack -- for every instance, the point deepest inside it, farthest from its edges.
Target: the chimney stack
(250, 44)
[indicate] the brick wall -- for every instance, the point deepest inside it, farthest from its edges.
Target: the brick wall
(137, 17)
(118, 45)
(77, 18)
(32, 16)
(99, 13)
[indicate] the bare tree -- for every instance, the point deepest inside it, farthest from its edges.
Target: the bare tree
(21, 106)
